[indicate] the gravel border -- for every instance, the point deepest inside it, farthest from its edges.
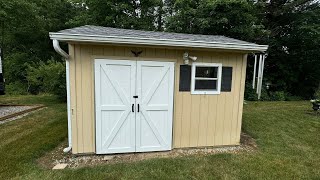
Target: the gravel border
(21, 116)
(77, 161)
(9, 110)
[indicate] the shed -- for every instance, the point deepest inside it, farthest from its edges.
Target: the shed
(140, 91)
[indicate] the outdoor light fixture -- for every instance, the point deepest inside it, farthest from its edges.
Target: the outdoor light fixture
(186, 58)
(268, 86)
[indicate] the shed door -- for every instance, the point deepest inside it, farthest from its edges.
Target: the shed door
(115, 123)
(134, 101)
(155, 81)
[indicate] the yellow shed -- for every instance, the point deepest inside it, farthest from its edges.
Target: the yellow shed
(140, 91)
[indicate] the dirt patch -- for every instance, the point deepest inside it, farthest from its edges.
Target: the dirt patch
(57, 156)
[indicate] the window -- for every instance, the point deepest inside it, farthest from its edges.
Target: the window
(206, 78)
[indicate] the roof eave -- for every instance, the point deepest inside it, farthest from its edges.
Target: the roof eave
(157, 42)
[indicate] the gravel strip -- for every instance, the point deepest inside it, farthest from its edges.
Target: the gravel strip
(7, 110)
(248, 145)
(21, 116)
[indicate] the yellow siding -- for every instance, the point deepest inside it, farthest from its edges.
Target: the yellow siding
(199, 120)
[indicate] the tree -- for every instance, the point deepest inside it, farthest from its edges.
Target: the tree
(233, 18)
(27, 24)
(133, 14)
(293, 65)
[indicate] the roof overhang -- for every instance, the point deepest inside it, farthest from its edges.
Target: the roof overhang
(156, 42)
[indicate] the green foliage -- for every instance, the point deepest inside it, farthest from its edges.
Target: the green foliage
(293, 63)
(47, 77)
(278, 96)
(16, 88)
(234, 18)
(317, 93)
(143, 14)
(290, 28)
(249, 93)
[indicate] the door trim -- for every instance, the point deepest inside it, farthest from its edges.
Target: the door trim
(132, 100)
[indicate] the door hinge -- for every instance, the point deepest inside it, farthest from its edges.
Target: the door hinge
(135, 96)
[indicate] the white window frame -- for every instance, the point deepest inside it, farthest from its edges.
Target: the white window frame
(218, 79)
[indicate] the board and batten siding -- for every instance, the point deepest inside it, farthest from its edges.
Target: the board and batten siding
(199, 120)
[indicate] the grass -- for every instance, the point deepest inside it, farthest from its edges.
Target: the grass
(287, 137)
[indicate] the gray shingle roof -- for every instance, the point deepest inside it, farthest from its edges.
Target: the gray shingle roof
(98, 34)
(107, 31)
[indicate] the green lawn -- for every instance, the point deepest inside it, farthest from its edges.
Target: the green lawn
(287, 136)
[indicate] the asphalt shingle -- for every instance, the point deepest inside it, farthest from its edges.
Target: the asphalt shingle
(89, 30)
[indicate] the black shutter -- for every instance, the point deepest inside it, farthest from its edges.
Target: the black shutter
(226, 80)
(185, 78)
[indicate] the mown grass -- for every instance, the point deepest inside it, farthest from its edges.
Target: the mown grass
(287, 135)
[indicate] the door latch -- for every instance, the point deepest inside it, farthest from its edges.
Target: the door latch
(135, 96)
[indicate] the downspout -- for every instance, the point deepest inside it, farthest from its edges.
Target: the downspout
(261, 76)
(254, 72)
(66, 56)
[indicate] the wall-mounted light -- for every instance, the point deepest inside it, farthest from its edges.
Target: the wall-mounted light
(268, 85)
(186, 58)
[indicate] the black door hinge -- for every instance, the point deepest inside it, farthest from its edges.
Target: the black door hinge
(135, 96)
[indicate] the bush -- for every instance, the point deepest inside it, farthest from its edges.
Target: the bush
(16, 88)
(249, 93)
(317, 93)
(47, 78)
(278, 96)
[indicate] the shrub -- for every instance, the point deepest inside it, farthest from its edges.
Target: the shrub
(317, 93)
(16, 88)
(47, 78)
(249, 93)
(278, 96)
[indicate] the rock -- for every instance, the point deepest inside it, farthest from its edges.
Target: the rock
(108, 158)
(60, 166)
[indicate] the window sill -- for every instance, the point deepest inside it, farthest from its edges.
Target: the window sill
(206, 92)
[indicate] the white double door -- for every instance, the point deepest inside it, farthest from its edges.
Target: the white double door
(134, 105)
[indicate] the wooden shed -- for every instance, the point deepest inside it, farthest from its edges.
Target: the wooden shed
(140, 91)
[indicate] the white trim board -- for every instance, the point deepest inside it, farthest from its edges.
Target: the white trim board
(218, 79)
(156, 42)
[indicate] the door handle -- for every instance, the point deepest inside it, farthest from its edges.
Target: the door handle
(132, 108)
(138, 107)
